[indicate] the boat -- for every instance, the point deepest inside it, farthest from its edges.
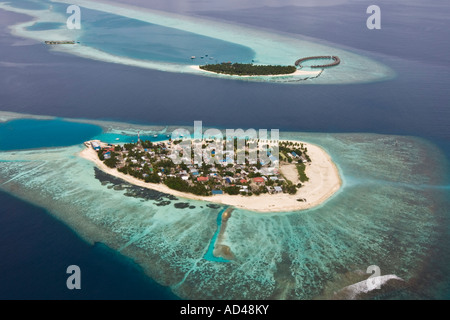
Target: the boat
(155, 136)
(192, 57)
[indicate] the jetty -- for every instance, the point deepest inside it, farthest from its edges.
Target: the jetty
(335, 62)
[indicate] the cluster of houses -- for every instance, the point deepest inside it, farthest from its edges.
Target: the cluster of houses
(156, 158)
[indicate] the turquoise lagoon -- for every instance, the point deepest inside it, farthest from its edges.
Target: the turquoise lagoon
(162, 41)
(121, 36)
(390, 212)
(46, 26)
(132, 38)
(33, 133)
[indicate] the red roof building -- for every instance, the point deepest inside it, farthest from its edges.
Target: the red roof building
(243, 181)
(258, 180)
(202, 179)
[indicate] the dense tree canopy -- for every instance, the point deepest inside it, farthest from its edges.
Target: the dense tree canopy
(248, 69)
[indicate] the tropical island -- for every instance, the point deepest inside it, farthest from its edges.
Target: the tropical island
(54, 42)
(151, 162)
(304, 177)
(248, 69)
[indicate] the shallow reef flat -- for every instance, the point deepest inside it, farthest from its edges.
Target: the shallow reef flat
(387, 213)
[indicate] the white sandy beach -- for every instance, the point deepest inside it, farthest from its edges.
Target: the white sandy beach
(324, 181)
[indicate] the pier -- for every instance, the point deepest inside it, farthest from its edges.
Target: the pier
(335, 62)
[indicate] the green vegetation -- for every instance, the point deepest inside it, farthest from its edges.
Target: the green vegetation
(100, 155)
(149, 162)
(111, 162)
(290, 188)
(248, 69)
(301, 167)
(231, 190)
(180, 185)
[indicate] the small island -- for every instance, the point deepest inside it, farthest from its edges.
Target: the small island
(248, 69)
(55, 42)
(305, 175)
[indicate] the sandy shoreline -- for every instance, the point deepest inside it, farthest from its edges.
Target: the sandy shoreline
(296, 73)
(324, 181)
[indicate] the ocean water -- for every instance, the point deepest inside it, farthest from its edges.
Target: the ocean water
(37, 249)
(121, 36)
(392, 210)
(46, 26)
(110, 137)
(30, 5)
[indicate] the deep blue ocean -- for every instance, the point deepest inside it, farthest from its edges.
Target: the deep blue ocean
(35, 248)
